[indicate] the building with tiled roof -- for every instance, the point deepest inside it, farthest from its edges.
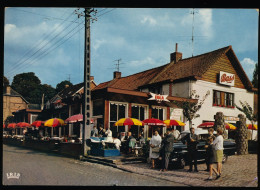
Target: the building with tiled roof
(178, 79)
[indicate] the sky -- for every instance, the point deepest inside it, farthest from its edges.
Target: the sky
(50, 41)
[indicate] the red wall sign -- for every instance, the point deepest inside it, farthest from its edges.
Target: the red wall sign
(226, 78)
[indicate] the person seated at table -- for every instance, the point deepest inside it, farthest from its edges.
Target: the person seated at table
(108, 133)
(117, 143)
(129, 142)
(94, 132)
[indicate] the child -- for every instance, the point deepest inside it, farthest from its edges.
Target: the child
(211, 159)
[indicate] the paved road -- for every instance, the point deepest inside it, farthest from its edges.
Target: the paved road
(38, 168)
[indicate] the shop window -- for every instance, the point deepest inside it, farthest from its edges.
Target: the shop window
(117, 111)
(223, 99)
(138, 112)
(157, 113)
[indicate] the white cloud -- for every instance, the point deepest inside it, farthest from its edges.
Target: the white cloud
(205, 22)
(248, 61)
(9, 27)
(147, 61)
(149, 20)
(97, 43)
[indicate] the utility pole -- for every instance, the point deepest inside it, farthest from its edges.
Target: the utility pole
(192, 38)
(87, 110)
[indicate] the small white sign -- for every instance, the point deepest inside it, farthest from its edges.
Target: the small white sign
(158, 97)
(226, 78)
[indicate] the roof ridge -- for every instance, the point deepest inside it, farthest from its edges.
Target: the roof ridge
(160, 73)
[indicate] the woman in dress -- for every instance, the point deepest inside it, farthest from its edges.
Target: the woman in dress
(218, 144)
(155, 144)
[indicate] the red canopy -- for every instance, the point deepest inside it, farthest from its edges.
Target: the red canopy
(37, 123)
(11, 125)
(74, 118)
(153, 121)
(23, 124)
(206, 125)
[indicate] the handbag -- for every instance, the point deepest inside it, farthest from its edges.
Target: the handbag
(156, 149)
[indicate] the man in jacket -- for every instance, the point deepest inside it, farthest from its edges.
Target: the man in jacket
(167, 148)
(191, 140)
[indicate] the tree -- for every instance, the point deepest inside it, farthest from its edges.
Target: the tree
(249, 112)
(60, 86)
(255, 76)
(48, 91)
(5, 82)
(190, 109)
(29, 86)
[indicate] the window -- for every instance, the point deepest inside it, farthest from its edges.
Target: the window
(157, 113)
(156, 89)
(117, 111)
(223, 99)
(138, 112)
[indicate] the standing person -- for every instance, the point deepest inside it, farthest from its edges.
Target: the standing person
(218, 143)
(191, 140)
(94, 132)
(211, 158)
(155, 143)
(210, 133)
(167, 148)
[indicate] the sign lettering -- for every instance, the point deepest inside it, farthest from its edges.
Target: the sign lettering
(158, 97)
(226, 78)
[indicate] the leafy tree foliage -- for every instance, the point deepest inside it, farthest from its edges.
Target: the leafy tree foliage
(30, 87)
(5, 81)
(60, 86)
(190, 109)
(255, 76)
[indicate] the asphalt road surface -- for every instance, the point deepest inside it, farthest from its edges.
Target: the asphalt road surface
(40, 168)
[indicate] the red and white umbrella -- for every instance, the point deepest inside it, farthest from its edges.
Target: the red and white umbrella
(211, 124)
(74, 118)
(153, 121)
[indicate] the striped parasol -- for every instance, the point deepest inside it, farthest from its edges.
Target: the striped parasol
(173, 122)
(128, 121)
(54, 122)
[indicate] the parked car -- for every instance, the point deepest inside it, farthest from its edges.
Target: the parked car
(179, 156)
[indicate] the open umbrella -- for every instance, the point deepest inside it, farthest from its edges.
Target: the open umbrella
(249, 126)
(3, 125)
(211, 124)
(37, 123)
(54, 122)
(230, 126)
(23, 124)
(128, 121)
(153, 121)
(11, 125)
(206, 125)
(74, 118)
(171, 122)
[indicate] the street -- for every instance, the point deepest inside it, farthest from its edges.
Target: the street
(40, 168)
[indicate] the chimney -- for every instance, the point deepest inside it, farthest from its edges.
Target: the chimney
(117, 75)
(66, 85)
(175, 56)
(91, 78)
(8, 90)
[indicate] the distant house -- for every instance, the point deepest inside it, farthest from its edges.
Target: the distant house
(66, 103)
(12, 102)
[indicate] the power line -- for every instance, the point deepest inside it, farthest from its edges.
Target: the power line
(44, 53)
(51, 49)
(45, 16)
(47, 43)
(39, 42)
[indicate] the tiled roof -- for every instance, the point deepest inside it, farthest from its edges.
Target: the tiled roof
(193, 66)
(132, 82)
(69, 91)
